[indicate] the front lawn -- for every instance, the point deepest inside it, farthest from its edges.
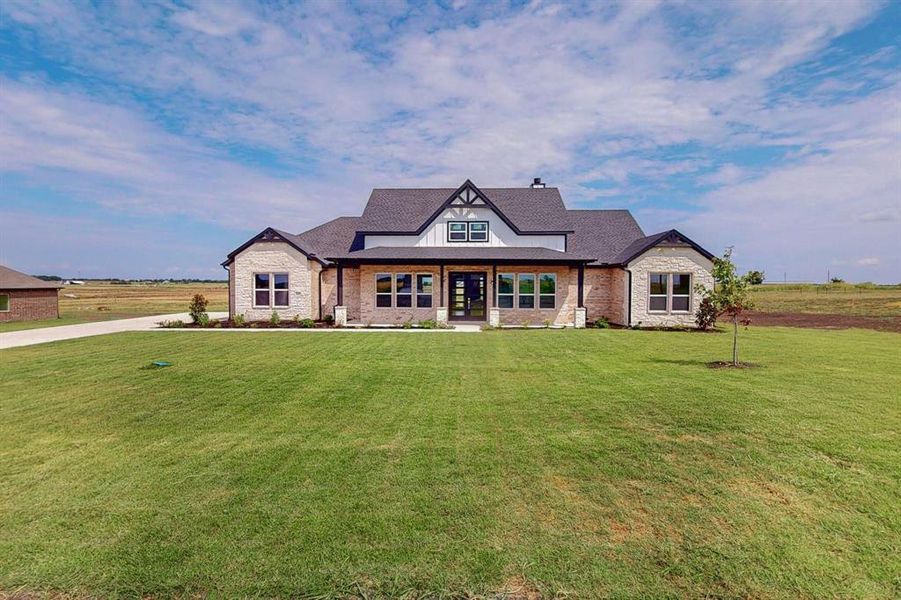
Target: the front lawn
(586, 463)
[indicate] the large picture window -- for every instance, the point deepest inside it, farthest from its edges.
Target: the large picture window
(424, 288)
(383, 290)
(4, 302)
(526, 296)
(403, 292)
(505, 283)
(547, 290)
(658, 292)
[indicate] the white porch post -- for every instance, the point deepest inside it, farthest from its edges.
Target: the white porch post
(340, 316)
(580, 317)
(494, 316)
(441, 316)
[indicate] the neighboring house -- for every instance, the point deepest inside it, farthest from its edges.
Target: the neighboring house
(502, 255)
(26, 298)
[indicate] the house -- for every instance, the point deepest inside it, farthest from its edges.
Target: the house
(501, 255)
(26, 298)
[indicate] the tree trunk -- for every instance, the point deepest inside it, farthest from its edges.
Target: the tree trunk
(734, 340)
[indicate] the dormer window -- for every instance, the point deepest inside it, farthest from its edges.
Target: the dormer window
(467, 231)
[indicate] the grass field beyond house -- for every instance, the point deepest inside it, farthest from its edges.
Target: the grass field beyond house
(581, 463)
(865, 300)
(102, 301)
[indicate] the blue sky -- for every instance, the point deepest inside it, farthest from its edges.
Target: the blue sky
(149, 139)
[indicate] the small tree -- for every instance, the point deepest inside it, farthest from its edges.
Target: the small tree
(731, 295)
(197, 309)
(756, 277)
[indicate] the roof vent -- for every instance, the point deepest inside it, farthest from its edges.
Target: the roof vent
(536, 183)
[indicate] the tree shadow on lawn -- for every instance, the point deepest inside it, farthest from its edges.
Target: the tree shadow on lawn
(716, 364)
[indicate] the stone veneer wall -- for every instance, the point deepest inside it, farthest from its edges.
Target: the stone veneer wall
(273, 257)
(667, 259)
(562, 314)
(605, 294)
(31, 305)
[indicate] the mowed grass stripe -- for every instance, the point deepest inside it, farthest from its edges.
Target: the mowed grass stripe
(587, 462)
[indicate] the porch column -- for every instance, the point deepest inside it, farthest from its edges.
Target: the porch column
(340, 310)
(494, 313)
(441, 312)
(581, 285)
(341, 285)
(581, 315)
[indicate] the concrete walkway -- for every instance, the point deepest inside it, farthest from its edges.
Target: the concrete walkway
(29, 337)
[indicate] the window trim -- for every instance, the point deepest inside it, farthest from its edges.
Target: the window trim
(469, 231)
(416, 293)
(672, 294)
(665, 296)
(397, 293)
(270, 290)
(9, 302)
(519, 293)
(389, 293)
(465, 232)
(540, 295)
(511, 295)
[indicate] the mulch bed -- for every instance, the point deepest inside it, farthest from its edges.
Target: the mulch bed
(814, 321)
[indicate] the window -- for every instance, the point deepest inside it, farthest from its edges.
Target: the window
(4, 302)
(403, 296)
(270, 289)
(280, 295)
(261, 289)
(478, 231)
(505, 290)
(383, 290)
(456, 231)
(526, 290)
(424, 290)
(658, 292)
(547, 290)
(681, 298)
(467, 231)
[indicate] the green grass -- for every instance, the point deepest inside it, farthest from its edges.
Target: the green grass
(103, 301)
(587, 463)
(866, 300)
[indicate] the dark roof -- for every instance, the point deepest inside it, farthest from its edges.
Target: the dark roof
(444, 253)
(670, 238)
(271, 234)
(11, 279)
(602, 234)
(527, 210)
(334, 238)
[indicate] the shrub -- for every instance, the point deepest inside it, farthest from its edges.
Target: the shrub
(328, 320)
(197, 308)
(547, 323)
(836, 280)
(428, 324)
(202, 320)
(274, 319)
(408, 324)
(239, 321)
(306, 323)
(602, 323)
(756, 277)
(705, 317)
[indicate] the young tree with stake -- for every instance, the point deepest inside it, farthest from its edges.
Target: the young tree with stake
(731, 295)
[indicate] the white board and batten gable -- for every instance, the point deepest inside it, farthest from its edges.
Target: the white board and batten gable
(465, 207)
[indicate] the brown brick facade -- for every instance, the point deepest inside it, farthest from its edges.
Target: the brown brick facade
(605, 294)
(31, 305)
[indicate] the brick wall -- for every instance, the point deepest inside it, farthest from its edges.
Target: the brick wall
(31, 305)
(605, 294)
(351, 292)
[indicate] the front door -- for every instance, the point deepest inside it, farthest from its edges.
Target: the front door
(467, 296)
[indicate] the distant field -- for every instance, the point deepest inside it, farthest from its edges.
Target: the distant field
(102, 301)
(864, 300)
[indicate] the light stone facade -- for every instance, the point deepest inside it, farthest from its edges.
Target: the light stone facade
(667, 259)
(272, 257)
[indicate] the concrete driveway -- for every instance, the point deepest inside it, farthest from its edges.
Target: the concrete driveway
(29, 337)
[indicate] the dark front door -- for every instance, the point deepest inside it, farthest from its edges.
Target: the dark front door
(467, 296)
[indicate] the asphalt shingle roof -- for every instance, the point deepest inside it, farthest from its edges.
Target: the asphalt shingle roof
(10, 279)
(413, 253)
(602, 234)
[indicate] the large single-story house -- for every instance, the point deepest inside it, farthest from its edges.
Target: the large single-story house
(501, 255)
(27, 298)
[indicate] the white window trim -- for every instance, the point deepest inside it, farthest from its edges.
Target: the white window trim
(665, 296)
(271, 290)
(9, 303)
(469, 231)
(416, 290)
(511, 294)
(538, 289)
(465, 232)
(378, 293)
(672, 295)
(412, 289)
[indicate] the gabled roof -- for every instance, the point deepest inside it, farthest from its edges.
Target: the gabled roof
(10, 279)
(525, 210)
(670, 238)
(506, 254)
(271, 234)
(602, 234)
